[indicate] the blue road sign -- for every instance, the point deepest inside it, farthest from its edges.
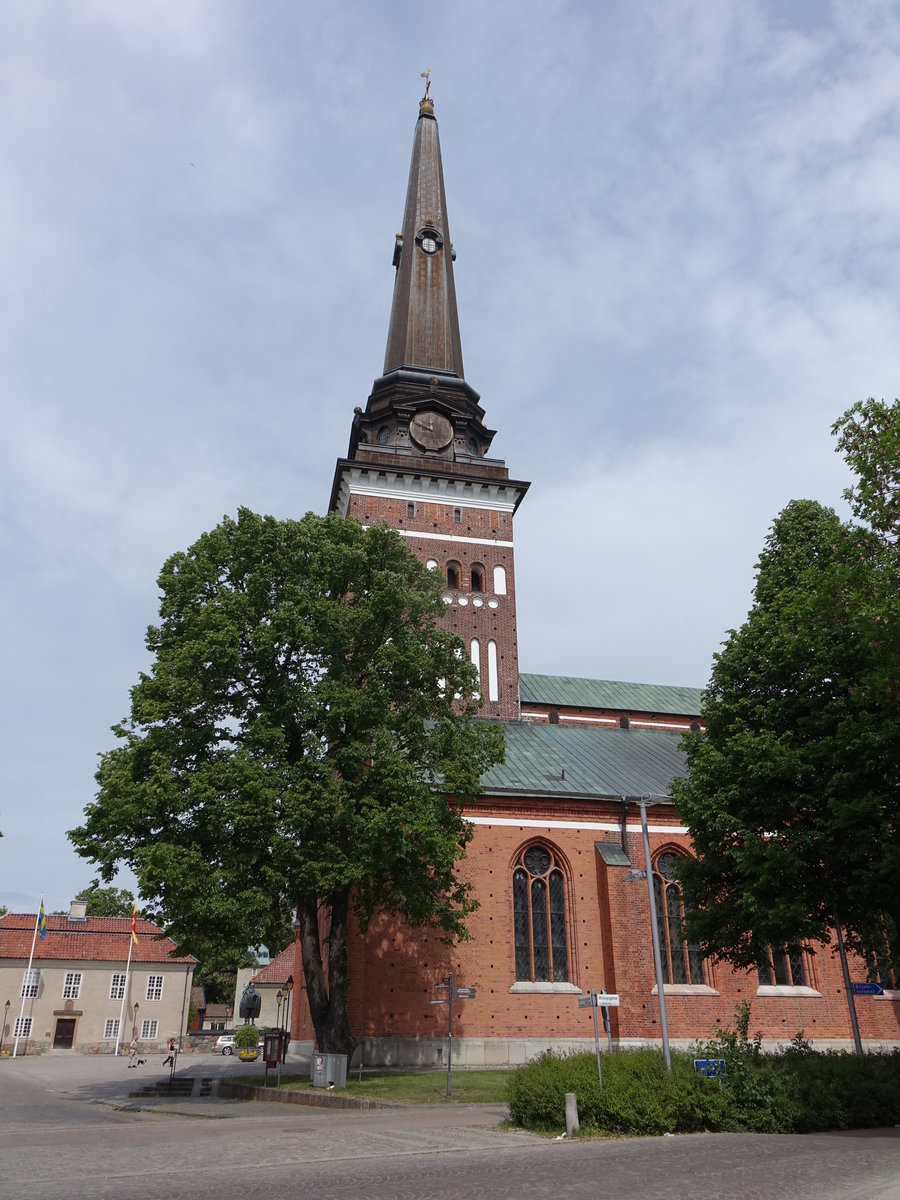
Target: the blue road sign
(868, 989)
(712, 1068)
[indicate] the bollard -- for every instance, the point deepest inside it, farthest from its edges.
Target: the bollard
(571, 1114)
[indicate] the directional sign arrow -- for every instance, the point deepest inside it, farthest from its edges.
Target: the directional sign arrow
(464, 993)
(868, 989)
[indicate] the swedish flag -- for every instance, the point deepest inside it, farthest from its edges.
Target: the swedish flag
(42, 921)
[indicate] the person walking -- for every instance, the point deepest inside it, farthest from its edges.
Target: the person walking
(170, 1057)
(132, 1053)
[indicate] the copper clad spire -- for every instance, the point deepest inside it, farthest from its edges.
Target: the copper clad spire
(424, 326)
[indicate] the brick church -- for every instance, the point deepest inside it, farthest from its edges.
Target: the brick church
(558, 858)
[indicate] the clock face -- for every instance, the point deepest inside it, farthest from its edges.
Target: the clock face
(431, 431)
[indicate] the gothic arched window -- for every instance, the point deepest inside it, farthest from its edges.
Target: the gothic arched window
(681, 963)
(783, 966)
(539, 917)
(453, 574)
(477, 574)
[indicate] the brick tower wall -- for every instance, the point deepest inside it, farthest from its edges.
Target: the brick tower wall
(446, 533)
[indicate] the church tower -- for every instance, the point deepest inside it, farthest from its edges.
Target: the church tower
(418, 456)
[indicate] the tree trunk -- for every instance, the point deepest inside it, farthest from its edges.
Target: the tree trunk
(327, 992)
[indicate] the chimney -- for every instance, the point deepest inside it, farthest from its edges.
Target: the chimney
(77, 910)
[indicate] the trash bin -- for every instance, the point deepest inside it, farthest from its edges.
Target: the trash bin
(329, 1070)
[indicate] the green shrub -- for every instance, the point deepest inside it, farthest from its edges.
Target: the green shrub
(842, 1091)
(759, 1096)
(537, 1091)
(246, 1037)
(638, 1096)
(798, 1090)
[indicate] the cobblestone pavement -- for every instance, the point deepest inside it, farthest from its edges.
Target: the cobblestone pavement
(68, 1131)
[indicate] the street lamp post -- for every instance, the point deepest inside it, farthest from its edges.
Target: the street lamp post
(643, 803)
(288, 988)
(134, 1026)
(5, 1019)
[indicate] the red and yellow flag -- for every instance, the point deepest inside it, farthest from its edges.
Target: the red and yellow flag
(134, 924)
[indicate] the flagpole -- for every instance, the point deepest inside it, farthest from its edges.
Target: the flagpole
(132, 942)
(124, 994)
(37, 921)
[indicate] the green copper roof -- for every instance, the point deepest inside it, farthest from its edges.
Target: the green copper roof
(564, 691)
(570, 760)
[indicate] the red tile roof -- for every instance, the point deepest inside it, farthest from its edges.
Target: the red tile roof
(95, 939)
(219, 1010)
(280, 967)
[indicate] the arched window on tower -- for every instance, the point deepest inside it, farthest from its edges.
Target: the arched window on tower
(477, 577)
(475, 654)
(453, 573)
(499, 581)
(539, 917)
(681, 963)
(493, 672)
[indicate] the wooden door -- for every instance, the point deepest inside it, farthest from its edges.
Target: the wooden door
(65, 1033)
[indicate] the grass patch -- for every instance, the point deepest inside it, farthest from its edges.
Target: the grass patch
(412, 1087)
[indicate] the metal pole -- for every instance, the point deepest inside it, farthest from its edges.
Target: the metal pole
(596, 1035)
(27, 980)
(607, 1023)
(449, 1028)
(289, 991)
(278, 1001)
(657, 958)
(848, 988)
(126, 995)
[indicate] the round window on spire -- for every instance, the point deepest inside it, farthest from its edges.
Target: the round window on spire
(428, 239)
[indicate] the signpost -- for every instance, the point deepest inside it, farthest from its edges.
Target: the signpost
(868, 989)
(604, 1000)
(452, 994)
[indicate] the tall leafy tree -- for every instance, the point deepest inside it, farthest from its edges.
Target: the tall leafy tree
(106, 901)
(869, 438)
(792, 794)
(303, 744)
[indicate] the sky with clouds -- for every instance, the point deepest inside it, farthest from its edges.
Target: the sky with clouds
(677, 237)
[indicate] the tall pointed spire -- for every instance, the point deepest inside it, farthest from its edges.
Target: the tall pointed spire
(424, 327)
(418, 459)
